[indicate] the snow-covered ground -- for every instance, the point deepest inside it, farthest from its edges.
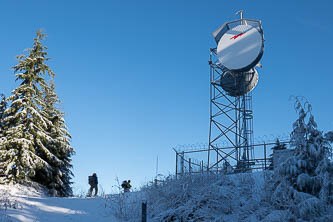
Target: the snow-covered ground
(207, 198)
(26, 204)
(244, 197)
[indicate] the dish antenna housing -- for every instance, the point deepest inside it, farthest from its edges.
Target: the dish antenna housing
(239, 83)
(240, 44)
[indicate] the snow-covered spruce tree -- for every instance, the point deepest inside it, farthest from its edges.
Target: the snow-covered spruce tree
(26, 132)
(305, 180)
(3, 106)
(60, 181)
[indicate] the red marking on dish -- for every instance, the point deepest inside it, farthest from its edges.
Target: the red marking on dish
(236, 36)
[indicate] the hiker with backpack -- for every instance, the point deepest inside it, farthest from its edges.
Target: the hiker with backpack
(93, 182)
(126, 185)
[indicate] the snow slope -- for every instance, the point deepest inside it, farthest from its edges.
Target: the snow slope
(244, 197)
(28, 205)
(238, 197)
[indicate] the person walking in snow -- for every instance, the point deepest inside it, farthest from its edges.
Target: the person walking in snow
(93, 182)
(126, 185)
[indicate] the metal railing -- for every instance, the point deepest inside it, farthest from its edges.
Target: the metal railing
(185, 163)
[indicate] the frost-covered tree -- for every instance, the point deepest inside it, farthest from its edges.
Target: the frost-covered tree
(329, 136)
(305, 180)
(23, 147)
(60, 181)
(3, 106)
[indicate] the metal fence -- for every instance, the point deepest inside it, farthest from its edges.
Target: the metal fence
(193, 160)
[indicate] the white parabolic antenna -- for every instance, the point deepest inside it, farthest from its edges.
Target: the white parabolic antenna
(240, 44)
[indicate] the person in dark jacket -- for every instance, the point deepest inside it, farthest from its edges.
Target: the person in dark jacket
(126, 185)
(93, 182)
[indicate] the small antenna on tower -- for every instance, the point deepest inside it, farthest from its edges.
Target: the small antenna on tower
(240, 12)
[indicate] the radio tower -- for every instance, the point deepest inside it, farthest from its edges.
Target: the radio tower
(233, 76)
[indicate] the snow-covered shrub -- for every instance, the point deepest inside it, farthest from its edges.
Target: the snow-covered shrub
(304, 182)
(181, 199)
(205, 197)
(5, 203)
(80, 192)
(310, 208)
(125, 206)
(276, 216)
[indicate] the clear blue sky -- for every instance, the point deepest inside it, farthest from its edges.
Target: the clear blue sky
(133, 75)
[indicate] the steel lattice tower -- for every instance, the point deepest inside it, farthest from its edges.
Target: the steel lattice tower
(231, 124)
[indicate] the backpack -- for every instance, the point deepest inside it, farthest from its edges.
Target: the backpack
(124, 184)
(91, 180)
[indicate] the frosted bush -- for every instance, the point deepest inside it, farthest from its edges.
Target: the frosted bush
(204, 197)
(124, 206)
(310, 208)
(5, 203)
(276, 216)
(303, 183)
